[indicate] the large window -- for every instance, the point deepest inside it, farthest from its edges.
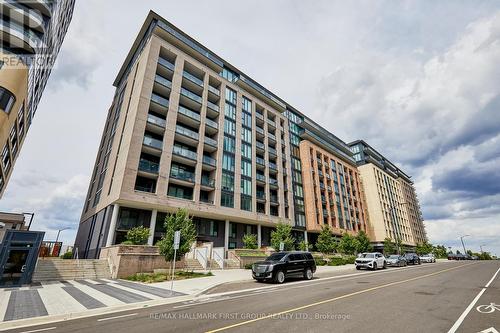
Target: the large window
(246, 168)
(246, 186)
(246, 150)
(231, 96)
(229, 144)
(229, 127)
(228, 162)
(227, 199)
(246, 203)
(230, 111)
(7, 100)
(180, 192)
(246, 119)
(246, 135)
(227, 182)
(246, 105)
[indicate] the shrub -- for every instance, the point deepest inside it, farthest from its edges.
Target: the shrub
(68, 255)
(320, 262)
(336, 261)
(347, 244)
(283, 233)
(250, 241)
(363, 242)
(137, 236)
(304, 246)
(326, 243)
(179, 220)
(248, 266)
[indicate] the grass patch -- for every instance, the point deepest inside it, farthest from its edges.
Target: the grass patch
(158, 277)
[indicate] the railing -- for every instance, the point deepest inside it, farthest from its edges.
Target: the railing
(156, 120)
(261, 195)
(189, 113)
(273, 181)
(273, 166)
(163, 81)
(186, 132)
(271, 122)
(191, 95)
(260, 145)
(260, 177)
(193, 78)
(259, 116)
(272, 150)
(165, 63)
(259, 130)
(210, 141)
(211, 123)
(149, 189)
(184, 152)
(183, 175)
(274, 198)
(149, 166)
(209, 160)
(271, 136)
(219, 259)
(159, 100)
(213, 106)
(214, 90)
(260, 161)
(199, 255)
(205, 181)
(151, 142)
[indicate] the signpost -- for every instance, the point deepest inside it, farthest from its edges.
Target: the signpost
(177, 241)
(282, 246)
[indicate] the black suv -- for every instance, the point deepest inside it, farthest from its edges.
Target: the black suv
(412, 258)
(281, 265)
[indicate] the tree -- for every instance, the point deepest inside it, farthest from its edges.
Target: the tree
(424, 248)
(347, 244)
(137, 236)
(179, 220)
(304, 246)
(389, 246)
(283, 233)
(326, 243)
(363, 242)
(250, 241)
(440, 251)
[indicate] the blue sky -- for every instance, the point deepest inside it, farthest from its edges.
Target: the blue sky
(418, 80)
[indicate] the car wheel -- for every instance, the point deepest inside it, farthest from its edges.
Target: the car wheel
(374, 266)
(308, 274)
(385, 265)
(279, 277)
(358, 268)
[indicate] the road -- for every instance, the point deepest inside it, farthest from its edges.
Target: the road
(426, 298)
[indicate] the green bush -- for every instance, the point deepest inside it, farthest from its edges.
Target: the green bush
(127, 242)
(320, 262)
(326, 243)
(282, 234)
(248, 266)
(250, 241)
(350, 260)
(137, 236)
(336, 261)
(68, 255)
(181, 221)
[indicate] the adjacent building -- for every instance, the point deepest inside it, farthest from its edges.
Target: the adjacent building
(186, 129)
(11, 221)
(32, 32)
(391, 200)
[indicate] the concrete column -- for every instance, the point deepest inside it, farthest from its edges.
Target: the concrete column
(305, 238)
(152, 225)
(226, 238)
(259, 236)
(112, 225)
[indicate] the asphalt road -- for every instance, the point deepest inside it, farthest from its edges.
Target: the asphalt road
(426, 298)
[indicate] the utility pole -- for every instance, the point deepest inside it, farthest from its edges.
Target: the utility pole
(462, 240)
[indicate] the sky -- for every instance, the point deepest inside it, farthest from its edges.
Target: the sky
(418, 80)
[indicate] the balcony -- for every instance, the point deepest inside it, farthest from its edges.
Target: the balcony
(209, 163)
(184, 155)
(259, 130)
(159, 104)
(213, 90)
(273, 182)
(153, 143)
(166, 64)
(260, 161)
(210, 144)
(162, 85)
(182, 175)
(272, 151)
(211, 125)
(325, 213)
(260, 146)
(273, 167)
(259, 116)
(208, 182)
(260, 178)
(157, 121)
(274, 199)
(271, 137)
(188, 116)
(191, 99)
(149, 166)
(320, 174)
(193, 79)
(271, 123)
(261, 195)
(186, 135)
(321, 186)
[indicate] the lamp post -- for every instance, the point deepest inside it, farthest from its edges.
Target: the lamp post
(58, 232)
(462, 240)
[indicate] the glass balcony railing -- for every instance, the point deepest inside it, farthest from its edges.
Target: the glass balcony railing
(191, 95)
(271, 136)
(213, 90)
(271, 122)
(211, 123)
(206, 181)
(211, 141)
(273, 166)
(157, 120)
(182, 175)
(259, 116)
(260, 161)
(184, 152)
(189, 113)
(272, 151)
(163, 81)
(273, 181)
(209, 160)
(186, 132)
(159, 100)
(193, 78)
(274, 198)
(261, 195)
(259, 130)
(260, 177)
(149, 166)
(213, 106)
(260, 145)
(167, 64)
(151, 142)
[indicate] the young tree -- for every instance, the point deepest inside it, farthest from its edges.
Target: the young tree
(137, 236)
(424, 248)
(283, 233)
(440, 251)
(250, 241)
(304, 246)
(347, 244)
(389, 246)
(363, 242)
(179, 220)
(326, 243)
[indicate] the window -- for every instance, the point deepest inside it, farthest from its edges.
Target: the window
(296, 164)
(246, 203)
(246, 168)
(229, 127)
(246, 119)
(231, 96)
(246, 135)
(228, 162)
(246, 105)
(227, 200)
(227, 182)
(246, 186)
(246, 150)
(7, 100)
(6, 158)
(180, 192)
(230, 111)
(298, 191)
(297, 177)
(229, 144)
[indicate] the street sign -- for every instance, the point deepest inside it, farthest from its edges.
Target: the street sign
(177, 239)
(282, 246)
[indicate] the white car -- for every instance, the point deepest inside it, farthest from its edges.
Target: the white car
(372, 260)
(428, 258)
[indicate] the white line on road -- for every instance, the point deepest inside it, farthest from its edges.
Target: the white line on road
(116, 317)
(40, 330)
(493, 278)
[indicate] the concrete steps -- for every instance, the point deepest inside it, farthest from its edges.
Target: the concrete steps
(192, 265)
(68, 269)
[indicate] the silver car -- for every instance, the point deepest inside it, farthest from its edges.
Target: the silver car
(396, 260)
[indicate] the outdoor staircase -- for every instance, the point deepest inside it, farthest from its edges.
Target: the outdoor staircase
(192, 265)
(231, 264)
(70, 269)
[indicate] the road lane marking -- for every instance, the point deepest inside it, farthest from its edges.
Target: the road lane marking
(40, 330)
(336, 299)
(117, 317)
(493, 278)
(460, 319)
(488, 308)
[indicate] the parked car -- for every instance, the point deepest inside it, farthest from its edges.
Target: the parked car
(373, 260)
(281, 265)
(396, 260)
(428, 258)
(412, 258)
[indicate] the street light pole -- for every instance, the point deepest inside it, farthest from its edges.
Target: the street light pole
(463, 244)
(58, 232)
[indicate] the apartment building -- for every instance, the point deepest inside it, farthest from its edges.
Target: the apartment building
(11, 221)
(31, 35)
(390, 198)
